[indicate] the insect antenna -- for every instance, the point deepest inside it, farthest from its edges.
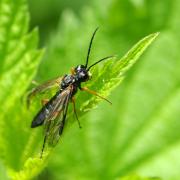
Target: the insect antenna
(108, 57)
(90, 45)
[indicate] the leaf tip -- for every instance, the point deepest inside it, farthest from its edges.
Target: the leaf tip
(154, 35)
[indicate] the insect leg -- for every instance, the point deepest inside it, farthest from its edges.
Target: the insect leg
(72, 71)
(61, 127)
(66, 103)
(42, 88)
(75, 112)
(44, 101)
(94, 93)
(45, 138)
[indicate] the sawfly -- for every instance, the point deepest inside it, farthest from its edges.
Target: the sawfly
(53, 114)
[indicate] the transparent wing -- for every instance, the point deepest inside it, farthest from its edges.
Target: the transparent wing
(49, 110)
(43, 87)
(58, 125)
(55, 121)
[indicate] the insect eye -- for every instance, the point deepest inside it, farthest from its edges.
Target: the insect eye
(79, 68)
(82, 74)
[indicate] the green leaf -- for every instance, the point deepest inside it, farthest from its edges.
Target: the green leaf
(111, 75)
(140, 133)
(19, 61)
(32, 167)
(18, 65)
(111, 79)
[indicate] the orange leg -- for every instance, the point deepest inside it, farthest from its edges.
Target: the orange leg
(94, 93)
(74, 109)
(72, 71)
(44, 101)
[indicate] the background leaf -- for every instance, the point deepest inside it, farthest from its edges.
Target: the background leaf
(119, 140)
(139, 133)
(19, 61)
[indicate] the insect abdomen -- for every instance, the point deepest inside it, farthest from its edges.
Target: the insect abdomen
(43, 113)
(38, 119)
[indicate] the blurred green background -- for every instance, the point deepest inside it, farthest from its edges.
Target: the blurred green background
(134, 134)
(140, 132)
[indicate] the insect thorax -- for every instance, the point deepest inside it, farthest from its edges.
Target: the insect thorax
(80, 75)
(67, 80)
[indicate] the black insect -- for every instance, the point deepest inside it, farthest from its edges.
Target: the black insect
(53, 113)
